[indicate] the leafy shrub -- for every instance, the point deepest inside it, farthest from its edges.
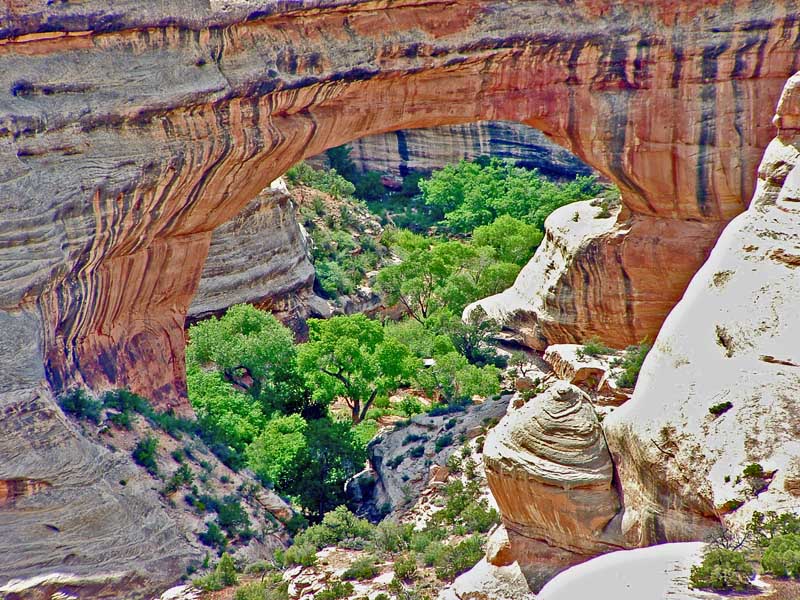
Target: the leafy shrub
(336, 590)
(273, 589)
(213, 537)
(80, 405)
(393, 463)
(417, 451)
(722, 570)
(122, 420)
(722, 407)
(413, 437)
(478, 517)
(390, 536)
(443, 441)
(361, 569)
(763, 527)
(183, 476)
(753, 470)
(405, 567)
(631, 364)
(782, 556)
(410, 406)
(459, 558)
(144, 454)
(226, 570)
(338, 526)
(299, 554)
(446, 409)
(593, 347)
(232, 517)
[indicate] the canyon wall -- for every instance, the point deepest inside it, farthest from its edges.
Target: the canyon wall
(260, 257)
(422, 150)
(128, 133)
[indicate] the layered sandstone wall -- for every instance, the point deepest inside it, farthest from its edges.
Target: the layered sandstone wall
(423, 150)
(129, 135)
(260, 257)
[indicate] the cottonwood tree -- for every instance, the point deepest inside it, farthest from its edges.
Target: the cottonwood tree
(349, 357)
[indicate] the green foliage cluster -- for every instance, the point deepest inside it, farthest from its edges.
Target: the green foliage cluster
(443, 274)
(593, 347)
(223, 575)
(335, 590)
(80, 405)
(145, 453)
(472, 194)
(274, 588)
(631, 363)
(361, 569)
(782, 556)
(723, 570)
(722, 407)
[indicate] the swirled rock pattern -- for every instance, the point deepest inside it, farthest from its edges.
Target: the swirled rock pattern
(130, 133)
(731, 339)
(550, 471)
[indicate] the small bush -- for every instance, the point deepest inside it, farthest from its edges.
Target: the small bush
(417, 451)
(274, 589)
(722, 407)
(226, 570)
(232, 517)
(338, 526)
(631, 364)
(722, 570)
(410, 406)
(413, 437)
(144, 454)
(443, 441)
(754, 470)
(405, 567)
(213, 537)
(300, 554)
(393, 463)
(593, 347)
(183, 476)
(782, 556)
(208, 583)
(126, 401)
(336, 590)
(361, 569)
(80, 405)
(390, 536)
(459, 558)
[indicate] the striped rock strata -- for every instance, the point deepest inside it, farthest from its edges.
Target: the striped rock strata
(129, 132)
(550, 471)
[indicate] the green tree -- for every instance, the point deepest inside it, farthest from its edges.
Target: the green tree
(722, 570)
(782, 556)
(226, 570)
(276, 451)
(453, 379)
(309, 461)
(472, 194)
(253, 352)
(350, 357)
(513, 240)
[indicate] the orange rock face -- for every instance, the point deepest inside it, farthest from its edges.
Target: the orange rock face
(128, 135)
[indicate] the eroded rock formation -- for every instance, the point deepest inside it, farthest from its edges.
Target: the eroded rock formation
(129, 132)
(613, 277)
(550, 471)
(731, 339)
(259, 257)
(423, 150)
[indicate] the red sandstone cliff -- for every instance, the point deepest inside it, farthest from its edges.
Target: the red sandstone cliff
(129, 132)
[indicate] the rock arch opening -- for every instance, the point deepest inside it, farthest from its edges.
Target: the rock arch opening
(122, 178)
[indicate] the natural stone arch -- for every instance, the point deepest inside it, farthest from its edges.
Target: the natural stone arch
(127, 140)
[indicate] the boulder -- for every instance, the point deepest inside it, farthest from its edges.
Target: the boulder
(550, 471)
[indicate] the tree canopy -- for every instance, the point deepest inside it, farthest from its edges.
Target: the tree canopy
(350, 357)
